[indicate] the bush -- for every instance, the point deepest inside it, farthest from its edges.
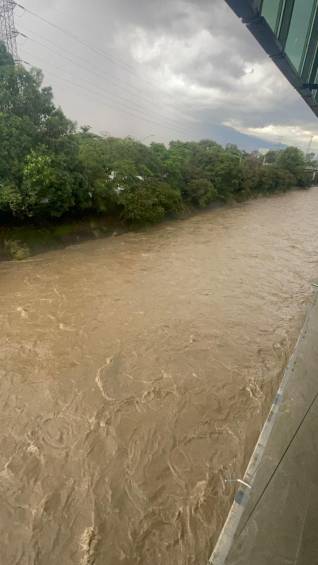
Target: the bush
(167, 197)
(11, 202)
(104, 197)
(140, 206)
(46, 187)
(200, 192)
(273, 179)
(228, 177)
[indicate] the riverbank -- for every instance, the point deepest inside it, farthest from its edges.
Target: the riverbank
(22, 241)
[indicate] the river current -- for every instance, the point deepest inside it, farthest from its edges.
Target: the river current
(135, 374)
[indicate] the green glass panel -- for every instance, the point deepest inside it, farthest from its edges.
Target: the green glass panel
(298, 30)
(309, 67)
(315, 92)
(270, 11)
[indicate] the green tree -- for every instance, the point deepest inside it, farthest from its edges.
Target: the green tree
(38, 150)
(11, 202)
(47, 187)
(168, 197)
(140, 206)
(200, 192)
(227, 177)
(293, 160)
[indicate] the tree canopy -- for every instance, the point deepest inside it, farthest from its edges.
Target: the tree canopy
(49, 168)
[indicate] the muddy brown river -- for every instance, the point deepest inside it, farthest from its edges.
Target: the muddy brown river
(136, 373)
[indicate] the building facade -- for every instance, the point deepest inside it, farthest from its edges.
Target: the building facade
(288, 31)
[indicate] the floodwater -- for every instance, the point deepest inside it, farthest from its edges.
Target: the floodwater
(136, 372)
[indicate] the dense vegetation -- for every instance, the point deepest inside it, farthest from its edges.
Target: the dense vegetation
(49, 169)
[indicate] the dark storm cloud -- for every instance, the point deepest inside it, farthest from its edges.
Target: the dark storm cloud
(187, 63)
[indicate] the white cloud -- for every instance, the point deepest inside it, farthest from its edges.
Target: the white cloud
(296, 135)
(206, 72)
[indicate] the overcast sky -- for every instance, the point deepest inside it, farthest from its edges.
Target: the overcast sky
(163, 69)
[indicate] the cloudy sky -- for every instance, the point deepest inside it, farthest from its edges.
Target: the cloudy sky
(163, 69)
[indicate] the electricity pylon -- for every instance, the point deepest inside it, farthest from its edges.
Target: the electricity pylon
(8, 33)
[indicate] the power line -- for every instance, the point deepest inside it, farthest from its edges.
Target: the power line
(58, 50)
(132, 103)
(114, 60)
(126, 108)
(122, 107)
(279, 463)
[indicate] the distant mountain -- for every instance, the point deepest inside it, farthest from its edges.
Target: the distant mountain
(225, 134)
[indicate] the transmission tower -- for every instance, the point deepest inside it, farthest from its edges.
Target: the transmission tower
(8, 33)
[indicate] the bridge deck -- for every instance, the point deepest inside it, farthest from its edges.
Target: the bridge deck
(276, 521)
